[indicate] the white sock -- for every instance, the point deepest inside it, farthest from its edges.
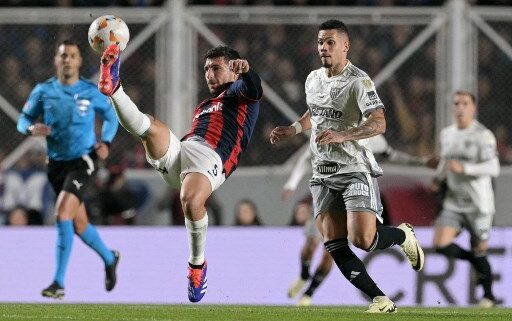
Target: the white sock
(197, 239)
(130, 117)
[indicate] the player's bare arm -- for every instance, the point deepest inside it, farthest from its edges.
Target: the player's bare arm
(374, 125)
(282, 133)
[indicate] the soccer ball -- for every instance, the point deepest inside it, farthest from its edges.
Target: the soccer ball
(108, 30)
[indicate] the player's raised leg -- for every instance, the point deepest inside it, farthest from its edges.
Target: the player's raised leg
(154, 134)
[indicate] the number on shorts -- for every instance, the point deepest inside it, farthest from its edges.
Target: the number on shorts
(214, 171)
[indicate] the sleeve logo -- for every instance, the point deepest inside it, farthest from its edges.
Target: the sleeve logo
(372, 95)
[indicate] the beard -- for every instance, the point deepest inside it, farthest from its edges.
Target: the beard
(326, 62)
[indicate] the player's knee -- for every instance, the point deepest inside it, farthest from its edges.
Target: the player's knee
(363, 241)
(480, 250)
(191, 204)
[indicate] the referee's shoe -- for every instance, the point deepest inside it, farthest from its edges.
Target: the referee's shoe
(110, 272)
(54, 291)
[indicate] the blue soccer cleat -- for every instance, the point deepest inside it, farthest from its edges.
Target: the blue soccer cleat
(109, 71)
(197, 283)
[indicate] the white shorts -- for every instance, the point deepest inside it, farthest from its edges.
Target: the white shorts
(188, 157)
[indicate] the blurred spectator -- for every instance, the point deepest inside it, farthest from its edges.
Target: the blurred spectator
(246, 213)
(116, 201)
(20, 216)
(302, 211)
(26, 186)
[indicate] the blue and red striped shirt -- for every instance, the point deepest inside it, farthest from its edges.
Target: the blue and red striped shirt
(226, 122)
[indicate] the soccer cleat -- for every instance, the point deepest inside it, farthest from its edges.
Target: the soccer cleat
(197, 283)
(304, 301)
(382, 304)
(412, 248)
(109, 71)
(487, 303)
(53, 291)
(296, 287)
(110, 272)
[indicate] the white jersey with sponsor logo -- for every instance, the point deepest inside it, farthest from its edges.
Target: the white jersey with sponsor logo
(475, 148)
(339, 103)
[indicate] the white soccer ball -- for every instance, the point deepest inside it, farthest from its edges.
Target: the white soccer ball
(108, 30)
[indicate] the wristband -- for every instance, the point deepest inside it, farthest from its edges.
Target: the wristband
(298, 127)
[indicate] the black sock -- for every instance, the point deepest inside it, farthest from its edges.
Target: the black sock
(386, 237)
(304, 270)
(483, 268)
(352, 267)
(455, 251)
(480, 264)
(318, 278)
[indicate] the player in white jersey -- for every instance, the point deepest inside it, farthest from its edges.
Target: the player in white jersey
(343, 111)
(379, 146)
(468, 162)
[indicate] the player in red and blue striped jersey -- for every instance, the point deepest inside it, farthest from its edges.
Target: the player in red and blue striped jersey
(226, 121)
(200, 162)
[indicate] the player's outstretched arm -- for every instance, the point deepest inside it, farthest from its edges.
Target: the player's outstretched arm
(282, 133)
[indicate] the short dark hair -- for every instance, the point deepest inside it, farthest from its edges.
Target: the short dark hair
(467, 93)
(334, 24)
(222, 51)
(68, 42)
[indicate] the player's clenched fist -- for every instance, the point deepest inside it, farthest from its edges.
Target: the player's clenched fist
(281, 133)
(239, 66)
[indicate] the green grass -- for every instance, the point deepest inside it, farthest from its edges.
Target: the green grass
(100, 312)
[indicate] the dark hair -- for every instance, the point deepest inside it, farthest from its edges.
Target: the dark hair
(306, 200)
(466, 93)
(252, 205)
(68, 42)
(222, 51)
(334, 24)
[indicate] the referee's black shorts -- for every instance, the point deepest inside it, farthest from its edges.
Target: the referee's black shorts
(72, 176)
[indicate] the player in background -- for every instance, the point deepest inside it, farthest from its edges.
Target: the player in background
(222, 126)
(380, 147)
(67, 104)
(343, 110)
(468, 162)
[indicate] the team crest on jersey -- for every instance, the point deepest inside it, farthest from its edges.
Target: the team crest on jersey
(335, 92)
(83, 106)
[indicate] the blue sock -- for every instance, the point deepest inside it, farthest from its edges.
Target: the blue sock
(91, 237)
(63, 249)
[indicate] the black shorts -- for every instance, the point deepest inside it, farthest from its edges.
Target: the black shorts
(72, 176)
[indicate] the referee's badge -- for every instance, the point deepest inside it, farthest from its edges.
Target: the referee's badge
(82, 106)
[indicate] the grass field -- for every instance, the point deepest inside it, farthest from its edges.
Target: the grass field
(93, 312)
